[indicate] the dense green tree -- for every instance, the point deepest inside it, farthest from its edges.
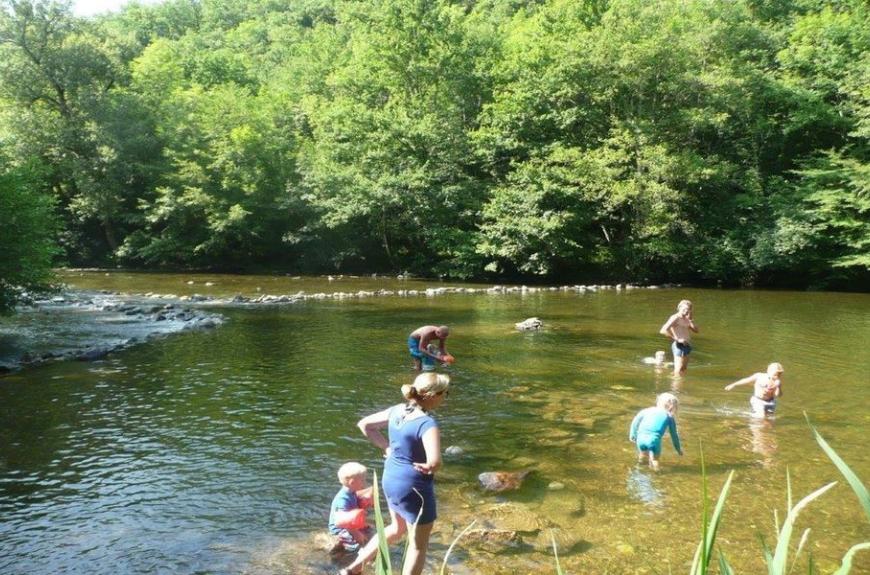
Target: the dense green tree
(27, 228)
(389, 159)
(637, 140)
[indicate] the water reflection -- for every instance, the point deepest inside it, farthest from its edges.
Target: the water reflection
(640, 486)
(762, 440)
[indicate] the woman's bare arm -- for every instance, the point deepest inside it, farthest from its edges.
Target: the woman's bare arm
(432, 446)
(371, 426)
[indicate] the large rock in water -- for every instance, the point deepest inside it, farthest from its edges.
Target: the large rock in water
(531, 324)
(502, 480)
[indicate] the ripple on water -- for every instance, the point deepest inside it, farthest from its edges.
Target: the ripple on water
(217, 452)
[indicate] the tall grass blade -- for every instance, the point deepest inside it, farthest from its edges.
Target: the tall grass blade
(780, 555)
(699, 559)
(710, 525)
(800, 548)
(556, 554)
(788, 499)
(724, 567)
(382, 560)
(846, 565)
(716, 519)
(857, 485)
(768, 556)
(452, 545)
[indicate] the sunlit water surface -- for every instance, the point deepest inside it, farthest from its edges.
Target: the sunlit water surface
(216, 452)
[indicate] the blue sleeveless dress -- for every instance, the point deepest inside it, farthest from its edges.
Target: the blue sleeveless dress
(406, 489)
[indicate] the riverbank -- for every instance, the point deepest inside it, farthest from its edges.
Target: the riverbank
(87, 326)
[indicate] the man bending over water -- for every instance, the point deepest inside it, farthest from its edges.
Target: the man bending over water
(419, 340)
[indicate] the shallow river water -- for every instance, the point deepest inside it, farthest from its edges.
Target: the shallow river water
(216, 451)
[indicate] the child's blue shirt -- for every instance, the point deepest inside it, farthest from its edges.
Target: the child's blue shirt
(649, 427)
(344, 500)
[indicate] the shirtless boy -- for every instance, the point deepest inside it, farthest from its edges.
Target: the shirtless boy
(419, 340)
(768, 386)
(679, 328)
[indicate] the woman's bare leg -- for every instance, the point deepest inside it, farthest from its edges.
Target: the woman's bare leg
(418, 544)
(394, 531)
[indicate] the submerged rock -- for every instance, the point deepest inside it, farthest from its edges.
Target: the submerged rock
(530, 324)
(93, 354)
(499, 481)
(328, 543)
(492, 540)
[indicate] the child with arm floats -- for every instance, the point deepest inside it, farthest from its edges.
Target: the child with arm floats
(413, 450)
(347, 515)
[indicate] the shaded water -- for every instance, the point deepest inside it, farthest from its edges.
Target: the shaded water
(216, 452)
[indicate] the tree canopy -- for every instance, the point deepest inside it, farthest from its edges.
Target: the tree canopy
(563, 140)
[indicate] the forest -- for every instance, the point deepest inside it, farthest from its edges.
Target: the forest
(548, 141)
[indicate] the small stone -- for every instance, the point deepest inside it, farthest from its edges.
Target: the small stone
(502, 480)
(556, 486)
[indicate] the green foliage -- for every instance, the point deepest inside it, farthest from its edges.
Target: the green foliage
(854, 482)
(710, 527)
(382, 559)
(614, 139)
(26, 227)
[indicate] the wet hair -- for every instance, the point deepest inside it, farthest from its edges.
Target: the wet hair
(668, 402)
(350, 470)
(426, 385)
(774, 367)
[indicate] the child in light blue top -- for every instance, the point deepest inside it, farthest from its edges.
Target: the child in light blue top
(649, 426)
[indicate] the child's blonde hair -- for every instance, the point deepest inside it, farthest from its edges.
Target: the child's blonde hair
(684, 302)
(668, 402)
(350, 470)
(426, 385)
(774, 368)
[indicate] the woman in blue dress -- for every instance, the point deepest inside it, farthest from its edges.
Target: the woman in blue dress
(413, 453)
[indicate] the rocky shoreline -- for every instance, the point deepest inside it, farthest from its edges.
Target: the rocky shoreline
(92, 325)
(269, 299)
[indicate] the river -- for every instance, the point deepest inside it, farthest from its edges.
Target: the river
(216, 451)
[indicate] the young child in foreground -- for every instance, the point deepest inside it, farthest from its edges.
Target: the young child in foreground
(347, 516)
(649, 425)
(768, 386)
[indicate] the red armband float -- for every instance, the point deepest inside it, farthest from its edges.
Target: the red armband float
(353, 519)
(365, 502)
